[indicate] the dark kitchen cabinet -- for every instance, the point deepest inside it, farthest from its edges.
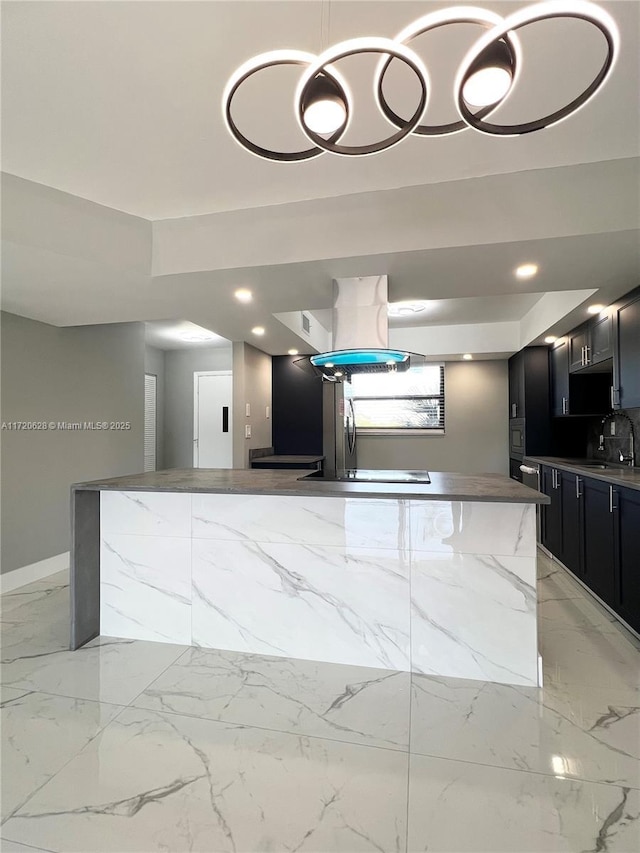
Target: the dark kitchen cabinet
(516, 385)
(514, 469)
(628, 556)
(578, 347)
(601, 338)
(560, 377)
(586, 392)
(599, 542)
(571, 491)
(626, 362)
(551, 485)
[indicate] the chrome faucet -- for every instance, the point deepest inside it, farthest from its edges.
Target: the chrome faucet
(629, 458)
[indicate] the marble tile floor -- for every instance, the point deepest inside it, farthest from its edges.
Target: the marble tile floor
(134, 746)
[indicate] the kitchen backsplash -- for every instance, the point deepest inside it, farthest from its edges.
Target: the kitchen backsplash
(613, 444)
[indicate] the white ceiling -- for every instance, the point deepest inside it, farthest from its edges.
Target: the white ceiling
(119, 103)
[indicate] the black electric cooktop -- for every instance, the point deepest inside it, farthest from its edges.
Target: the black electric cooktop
(368, 475)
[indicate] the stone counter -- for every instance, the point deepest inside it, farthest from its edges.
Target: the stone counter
(421, 581)
(444, 485)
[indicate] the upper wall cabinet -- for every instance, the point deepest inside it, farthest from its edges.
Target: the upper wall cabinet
(592, 343)
(626, 362)
(560, 377)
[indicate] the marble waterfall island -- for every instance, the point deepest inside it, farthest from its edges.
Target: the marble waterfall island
(436, 579)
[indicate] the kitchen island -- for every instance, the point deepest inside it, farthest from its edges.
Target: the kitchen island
(435, 578)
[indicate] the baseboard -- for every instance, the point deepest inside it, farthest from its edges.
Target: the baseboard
(34, 572)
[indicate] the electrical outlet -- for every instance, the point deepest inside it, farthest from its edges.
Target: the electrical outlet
(613, 427)
(247, 431)
(247, 409)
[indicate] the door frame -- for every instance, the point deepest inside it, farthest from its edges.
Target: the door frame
(196, 408)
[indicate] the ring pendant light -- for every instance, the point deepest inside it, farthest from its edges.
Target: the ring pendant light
(270, 60)
(540, 12)
(432, 21)
(323, 101)
(354, 47)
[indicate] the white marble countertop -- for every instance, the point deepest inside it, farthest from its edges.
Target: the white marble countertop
(444, 485)
(613, 474)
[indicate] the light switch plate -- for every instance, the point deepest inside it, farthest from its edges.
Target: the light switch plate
(247, 431)
(268, 412)
(247, 409)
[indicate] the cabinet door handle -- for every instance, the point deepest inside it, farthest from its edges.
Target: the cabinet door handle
(578, 484)
(612, 403)
(514, 409)
(613, 506)
(587, 357)
(582, 357)
(564, 405)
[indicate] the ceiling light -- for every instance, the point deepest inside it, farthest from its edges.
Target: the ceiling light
(198, 337)
(257, 330)
(595, 309)
(467, 356)
(491, 76)
(324, 107)
(485, 77)
(338, 373)
(550, 339)
(243, 295)
(526, 270)
(406, 309)
(293, 352)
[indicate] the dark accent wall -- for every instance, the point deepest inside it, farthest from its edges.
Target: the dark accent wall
(297, 408)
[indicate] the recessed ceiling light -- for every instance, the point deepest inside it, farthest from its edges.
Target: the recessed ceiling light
(197, 337)
(243, 295)
(595, 309)
(257, 330)
(550, 339)
(406, 309)
(526, 270)
(293, 352)
(467, 356)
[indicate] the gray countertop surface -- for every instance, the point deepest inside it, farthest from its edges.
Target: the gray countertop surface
(616, 475)
(444, 485)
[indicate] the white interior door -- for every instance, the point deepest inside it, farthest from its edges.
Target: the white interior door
(212, 420)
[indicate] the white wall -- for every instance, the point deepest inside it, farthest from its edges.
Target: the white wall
(476, 436)
(71, 375)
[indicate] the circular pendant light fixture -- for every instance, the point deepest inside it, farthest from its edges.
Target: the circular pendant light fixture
(353, 47)
(487, 75)
(433, 21)
(484, 49)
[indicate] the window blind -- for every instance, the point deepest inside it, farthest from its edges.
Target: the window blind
(413, 400)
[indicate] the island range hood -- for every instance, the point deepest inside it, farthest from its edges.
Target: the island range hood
(360, 333)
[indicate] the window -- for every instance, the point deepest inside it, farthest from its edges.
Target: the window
(400, 402)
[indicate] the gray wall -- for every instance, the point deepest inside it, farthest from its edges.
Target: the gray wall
(179, 367)
(73, 374)
(251, 384)
(476, 438)
(154, 363)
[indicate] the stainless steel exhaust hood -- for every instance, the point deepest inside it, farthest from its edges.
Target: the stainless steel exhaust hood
(360, 333)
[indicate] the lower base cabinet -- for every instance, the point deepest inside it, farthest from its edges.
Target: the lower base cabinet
(628, 556)
(593, 528)
(599, 569)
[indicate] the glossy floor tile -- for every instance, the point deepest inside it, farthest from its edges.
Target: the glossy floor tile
(356, 704)
(225, 751)
(40, 734)
(470, 808)
(201, 785)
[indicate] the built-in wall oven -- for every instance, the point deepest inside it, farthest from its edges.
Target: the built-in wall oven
(516, 438)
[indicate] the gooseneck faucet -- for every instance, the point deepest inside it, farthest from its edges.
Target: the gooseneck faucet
(630, 458)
